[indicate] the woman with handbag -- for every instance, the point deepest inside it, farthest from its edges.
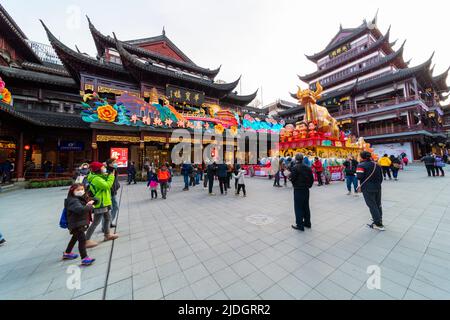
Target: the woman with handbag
(370, 176)
(396, 166)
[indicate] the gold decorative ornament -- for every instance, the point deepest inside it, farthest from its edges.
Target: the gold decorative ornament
(317, 114)
(105, 138)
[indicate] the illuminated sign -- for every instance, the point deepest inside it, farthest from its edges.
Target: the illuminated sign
(121, 154)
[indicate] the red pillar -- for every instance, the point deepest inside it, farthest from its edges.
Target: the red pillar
(20, 158)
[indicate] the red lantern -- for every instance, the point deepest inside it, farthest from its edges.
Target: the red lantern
(27, 148)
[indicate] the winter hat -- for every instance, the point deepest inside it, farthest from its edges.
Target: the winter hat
(96, 167)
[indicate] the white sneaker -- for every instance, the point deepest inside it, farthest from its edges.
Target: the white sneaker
(349, 194)
(375, 227)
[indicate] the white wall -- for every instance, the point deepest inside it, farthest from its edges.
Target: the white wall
(394, 149)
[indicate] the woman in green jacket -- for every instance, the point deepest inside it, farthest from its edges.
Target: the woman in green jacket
(100, 184)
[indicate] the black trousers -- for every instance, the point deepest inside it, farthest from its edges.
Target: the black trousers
(302, 210)
(154, 194)
(439, 169)
(78, 235)
(210, 184)
(431, 170)
(373, 201)
(205, 181)
(241, 187)
(319, 178)
(387, 172)
(276, 183)
(131, 178)
(236, 184)
(223, 183)
(164, 186)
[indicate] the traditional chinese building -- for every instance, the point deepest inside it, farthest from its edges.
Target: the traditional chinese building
(375, 94)
(47, 83)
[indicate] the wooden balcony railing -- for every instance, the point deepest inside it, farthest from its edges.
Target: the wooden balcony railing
(398, 129)
(380, 106)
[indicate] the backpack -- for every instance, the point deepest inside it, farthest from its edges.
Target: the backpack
(164, 175)
(63, 223)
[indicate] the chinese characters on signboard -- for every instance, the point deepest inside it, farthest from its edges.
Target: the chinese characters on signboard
(121, 154)
(340, 50)
(180, 95)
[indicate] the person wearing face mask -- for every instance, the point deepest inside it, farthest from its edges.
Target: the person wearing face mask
(100, 184)
(111, 166)
(83, 173)
(79, 208)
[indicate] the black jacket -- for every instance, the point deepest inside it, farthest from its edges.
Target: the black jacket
(116, 185)
(364, 171)
(222, 170)
(429, 160)
(350, 168)
(211, 170)
(302, 176)
(78, 214)
(131, 170)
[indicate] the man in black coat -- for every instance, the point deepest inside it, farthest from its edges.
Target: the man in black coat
(222, 173)
(211, 172)
(370, 176)
(429, 161)
(302, 180)
(131, 171)
(350, 166)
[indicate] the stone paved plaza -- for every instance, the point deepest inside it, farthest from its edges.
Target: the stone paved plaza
(193, 246)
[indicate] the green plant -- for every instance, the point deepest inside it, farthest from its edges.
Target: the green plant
(41, 184)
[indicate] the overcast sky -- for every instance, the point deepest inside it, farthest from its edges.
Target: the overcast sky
(262, 40)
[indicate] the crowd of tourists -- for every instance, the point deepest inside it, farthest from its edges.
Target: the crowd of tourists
(93, 199)
(210, 172)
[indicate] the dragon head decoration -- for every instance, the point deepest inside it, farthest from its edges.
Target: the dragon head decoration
(308, 96)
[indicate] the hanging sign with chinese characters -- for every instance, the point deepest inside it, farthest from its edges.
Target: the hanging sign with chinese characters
(185, 96)
(132, 111)
(340, 50)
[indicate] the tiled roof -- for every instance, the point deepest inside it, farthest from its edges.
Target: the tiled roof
(47, 119)
(35, 76)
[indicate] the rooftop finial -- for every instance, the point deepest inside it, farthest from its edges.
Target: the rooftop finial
(164, 31)
(375, 19)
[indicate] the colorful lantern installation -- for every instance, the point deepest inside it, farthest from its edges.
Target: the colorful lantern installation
(5, 95)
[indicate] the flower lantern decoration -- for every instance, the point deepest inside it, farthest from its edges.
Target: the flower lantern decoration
(107, 113)
(219, 129)
(234, 131)
(5, 95)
